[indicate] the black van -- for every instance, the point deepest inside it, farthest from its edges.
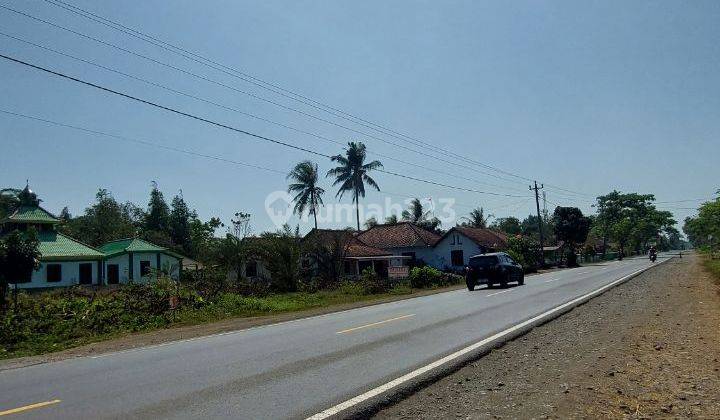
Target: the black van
(490, 269)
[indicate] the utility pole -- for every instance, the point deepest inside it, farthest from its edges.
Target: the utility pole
(540, 227)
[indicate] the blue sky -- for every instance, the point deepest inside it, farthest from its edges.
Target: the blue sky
(588, 96)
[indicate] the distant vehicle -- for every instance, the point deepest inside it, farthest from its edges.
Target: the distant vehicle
(653, 254)
(490, 269)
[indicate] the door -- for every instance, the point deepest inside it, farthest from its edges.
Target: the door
(113, 274)
(85, 273)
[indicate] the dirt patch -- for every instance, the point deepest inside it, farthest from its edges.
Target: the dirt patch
(649, 348)
(192, 331)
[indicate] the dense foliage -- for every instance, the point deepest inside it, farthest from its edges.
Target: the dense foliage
(703, 230)
(572, 228)
(19, 256)
(632, 221)
(176, 226)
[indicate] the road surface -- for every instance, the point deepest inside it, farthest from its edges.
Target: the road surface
(293, 369)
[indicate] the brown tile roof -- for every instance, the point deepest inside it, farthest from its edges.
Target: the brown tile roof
(485, 237)
(400, 235)
(355, 247)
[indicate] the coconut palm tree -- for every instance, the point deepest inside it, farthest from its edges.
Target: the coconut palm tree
(352, 174)
(477, 218)
(307, 193)
(416, 213)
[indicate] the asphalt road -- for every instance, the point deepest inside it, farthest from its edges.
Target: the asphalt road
(293, 369)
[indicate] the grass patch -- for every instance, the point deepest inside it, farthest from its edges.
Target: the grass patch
(713, 266)
(61, 319)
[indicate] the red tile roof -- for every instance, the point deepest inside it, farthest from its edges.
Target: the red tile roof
(355, 247)
(400, 235)
(484, 237)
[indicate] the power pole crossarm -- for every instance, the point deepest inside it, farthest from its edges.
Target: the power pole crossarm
(540, 227)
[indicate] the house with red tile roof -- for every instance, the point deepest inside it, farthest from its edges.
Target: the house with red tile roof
(406, 241)
(454, 249)
(356, 254)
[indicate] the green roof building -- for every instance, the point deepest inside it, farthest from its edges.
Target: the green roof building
(135, 259)
(65, 261)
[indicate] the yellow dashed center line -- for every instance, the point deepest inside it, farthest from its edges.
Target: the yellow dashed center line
(374, 324)
(28, 407)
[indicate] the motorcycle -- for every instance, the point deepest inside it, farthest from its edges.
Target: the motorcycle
(653, 257)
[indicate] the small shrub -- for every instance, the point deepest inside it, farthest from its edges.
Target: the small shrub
(372, 283)
(310, 285)
(424, 277)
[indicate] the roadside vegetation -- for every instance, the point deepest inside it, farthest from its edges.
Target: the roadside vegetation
(703, 232)
(64, 318)
(298, 273)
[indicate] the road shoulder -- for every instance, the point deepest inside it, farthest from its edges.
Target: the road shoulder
(647, 348)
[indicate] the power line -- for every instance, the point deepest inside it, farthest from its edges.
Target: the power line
(233, 109)
(198, 154)
(255, 80)
(224, 85)
(275, 88)
(141, 141)
(225, 126)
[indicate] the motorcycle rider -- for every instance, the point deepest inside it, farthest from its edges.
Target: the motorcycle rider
(653, 253)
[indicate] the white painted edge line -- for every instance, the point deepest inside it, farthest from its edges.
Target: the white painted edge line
(427, 368)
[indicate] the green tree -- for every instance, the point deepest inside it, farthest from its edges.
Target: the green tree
(104, 221)
(509, 225)
(524, 251)
(416, 214)
(308, 195)
(156, 226)
(392, 219)
(180, 218)
(352, 174)
(19, 256)
(280, 252)
(703, 231)
(9, 201)
(371, 222)
(530, 227)
(477, 219)
(202, 238)
(232, 251)
(572, 228)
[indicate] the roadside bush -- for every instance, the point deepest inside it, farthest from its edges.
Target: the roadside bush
(525, 252)
(424, 277)
(372, 283)
(310, 284)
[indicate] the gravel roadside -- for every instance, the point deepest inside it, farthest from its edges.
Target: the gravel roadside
(649, 348)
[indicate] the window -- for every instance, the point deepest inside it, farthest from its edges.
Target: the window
(452, 240)
(458, 241)
(54, 273)
(144, 268)
(251, 269)
(85, 273)
(483, 261)
(456, 257)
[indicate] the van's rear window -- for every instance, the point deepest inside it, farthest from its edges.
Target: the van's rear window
(483, 261)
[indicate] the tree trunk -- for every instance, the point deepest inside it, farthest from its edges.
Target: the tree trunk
(314, 207)
(357, 208)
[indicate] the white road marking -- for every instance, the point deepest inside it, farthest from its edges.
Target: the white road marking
(497, 293)
(551, 280)
(427, 368)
